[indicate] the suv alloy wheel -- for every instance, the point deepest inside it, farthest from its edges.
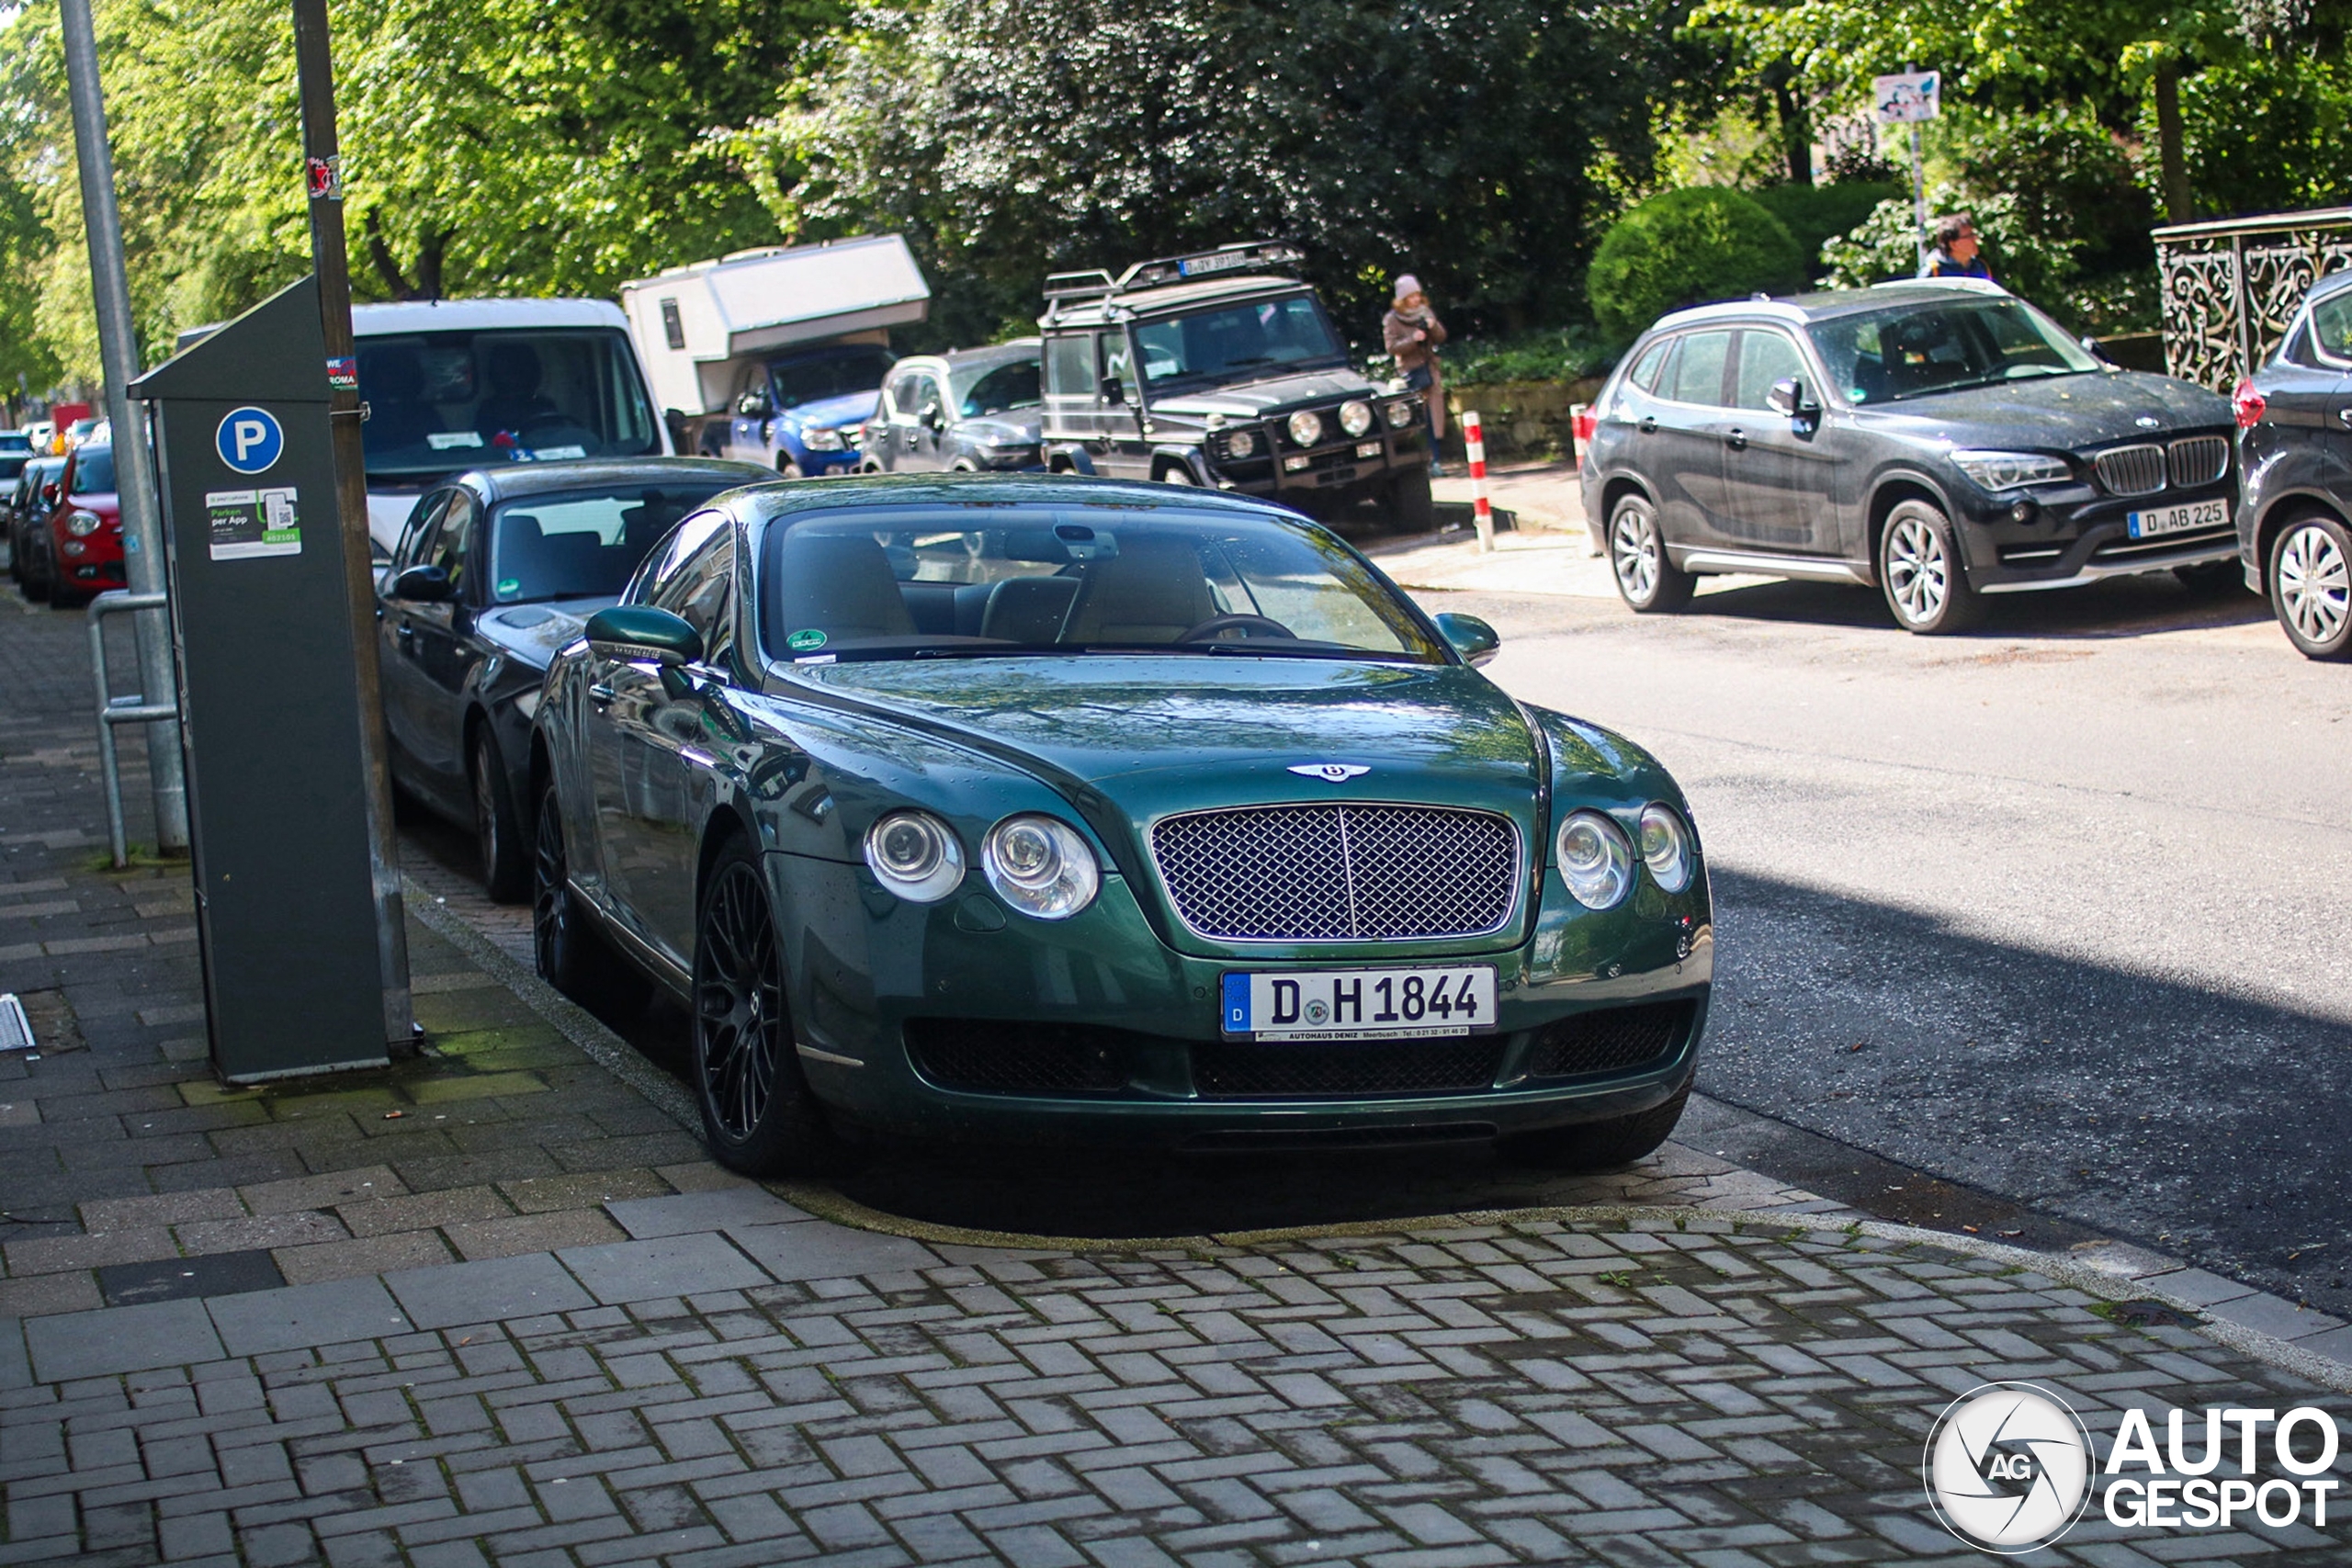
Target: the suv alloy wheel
(1647, 578)
(2310, 585)
(1918, 566)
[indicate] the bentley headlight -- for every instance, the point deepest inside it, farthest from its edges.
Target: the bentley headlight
(915, 855)
(1041, 866)
(1595, 860)
(82, 524)
(1305, 427)
(1399, 414)
(1240, 444)
(822, 438)
(2007, 470)
(1666, 848)
(1355, 416)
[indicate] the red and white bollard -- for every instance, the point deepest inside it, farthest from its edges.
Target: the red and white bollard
(1474, 443)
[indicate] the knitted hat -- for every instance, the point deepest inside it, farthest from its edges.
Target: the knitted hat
(1407, 287)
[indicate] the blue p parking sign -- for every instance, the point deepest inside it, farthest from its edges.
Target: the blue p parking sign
(250, 440)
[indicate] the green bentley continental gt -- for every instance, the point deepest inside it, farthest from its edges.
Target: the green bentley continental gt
(1024, 808)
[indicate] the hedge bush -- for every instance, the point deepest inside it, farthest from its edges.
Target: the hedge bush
(1547, 354)
(1814, 214)
(1684, 247)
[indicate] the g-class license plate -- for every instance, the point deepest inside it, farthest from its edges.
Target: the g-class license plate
(1360, 1004)
(2177, 519)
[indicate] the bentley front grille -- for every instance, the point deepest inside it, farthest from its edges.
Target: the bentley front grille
(1339, 873)
(2199, 460)
(2131, 471)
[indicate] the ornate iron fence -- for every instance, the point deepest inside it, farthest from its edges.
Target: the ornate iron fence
(2230, 288)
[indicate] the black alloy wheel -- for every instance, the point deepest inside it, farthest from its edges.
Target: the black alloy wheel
(505, 866)
(758, 1114)
(1647, 579)
(1600, 1146)
(566, 948)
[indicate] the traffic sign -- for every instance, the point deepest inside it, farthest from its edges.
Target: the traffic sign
(1907, 96)
(249, 440)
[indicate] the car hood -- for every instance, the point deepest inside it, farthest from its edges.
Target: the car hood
(534, 634)
(1156, 735)
(1253, 400)
(850, 408)
(2058, 411)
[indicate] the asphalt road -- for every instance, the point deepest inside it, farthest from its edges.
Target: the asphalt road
(2050, 918)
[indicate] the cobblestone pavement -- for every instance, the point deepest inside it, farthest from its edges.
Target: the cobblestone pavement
(492, 1305)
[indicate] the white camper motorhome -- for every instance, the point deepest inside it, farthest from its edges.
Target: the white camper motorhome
(456, 384)
(775, 355)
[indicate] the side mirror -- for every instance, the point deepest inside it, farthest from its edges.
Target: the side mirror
(933, 416)
(426, 584)
(1113, 392)
(1473, 639)
(755, 405)
(640, 633)
(1787, 399)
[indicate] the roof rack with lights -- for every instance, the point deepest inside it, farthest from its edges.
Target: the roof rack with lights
(1097, 283)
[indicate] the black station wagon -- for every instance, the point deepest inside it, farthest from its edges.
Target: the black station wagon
(2295, 463)
(1939, 439)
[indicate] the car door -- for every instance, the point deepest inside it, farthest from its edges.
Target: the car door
(407, 706)
(1071, 389)
(899, 420)
(1684, 429)
(752, 416)
(646, 736)
(926, 427)
(438, 647)
(1777, 478)
(2308, 395)
(1120, 451)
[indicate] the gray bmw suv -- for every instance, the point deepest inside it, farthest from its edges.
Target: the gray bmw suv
(1943, 440)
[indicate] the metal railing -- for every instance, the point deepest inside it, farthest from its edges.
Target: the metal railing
(114, 710)
(2231, 287)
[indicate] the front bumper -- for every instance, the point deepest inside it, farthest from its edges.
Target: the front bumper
(1352, 469)
(1092, 1031)
(2078, 534)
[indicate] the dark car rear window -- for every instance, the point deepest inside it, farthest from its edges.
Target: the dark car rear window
(583, 544)
(94, 471)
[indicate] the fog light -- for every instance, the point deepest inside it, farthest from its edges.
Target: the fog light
(1369, 449)
(2022, 510)
(1297, 465)
(1355, 416)
(73, 546)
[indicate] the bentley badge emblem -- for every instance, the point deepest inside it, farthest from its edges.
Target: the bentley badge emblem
(1330, 773)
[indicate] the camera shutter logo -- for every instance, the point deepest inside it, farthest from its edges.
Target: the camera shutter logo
(2007, 1468)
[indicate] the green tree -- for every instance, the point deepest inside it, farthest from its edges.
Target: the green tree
(1685, 247)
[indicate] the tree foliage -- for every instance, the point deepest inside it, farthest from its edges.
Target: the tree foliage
(1476, 144)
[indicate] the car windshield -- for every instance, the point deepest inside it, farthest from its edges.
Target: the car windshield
(94, 471)
(987, 579)
(984, 390)
(444, 401)
(858, 368)
(1915, 351)
(1239, 341)
(583, 544)
(15, 441)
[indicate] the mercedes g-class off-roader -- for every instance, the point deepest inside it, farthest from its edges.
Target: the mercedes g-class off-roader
(1211, 369)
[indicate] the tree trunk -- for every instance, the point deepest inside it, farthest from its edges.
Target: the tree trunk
(431, 249)
(2172, 160)
(1796, 133)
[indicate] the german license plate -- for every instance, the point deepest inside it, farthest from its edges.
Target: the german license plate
(2177, 519)
(1360, 1004)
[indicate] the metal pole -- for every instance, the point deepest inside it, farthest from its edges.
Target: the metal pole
(143, 522)
(314, 64)
(1918, 201)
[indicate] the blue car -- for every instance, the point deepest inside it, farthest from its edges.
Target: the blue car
(803, 414)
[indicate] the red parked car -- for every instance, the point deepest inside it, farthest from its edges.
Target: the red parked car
(75, 546)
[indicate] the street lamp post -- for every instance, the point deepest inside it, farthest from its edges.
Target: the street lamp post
(143, 523)
(322, 156)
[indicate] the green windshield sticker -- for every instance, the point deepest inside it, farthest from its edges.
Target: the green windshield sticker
(509, 586)
(801, 642)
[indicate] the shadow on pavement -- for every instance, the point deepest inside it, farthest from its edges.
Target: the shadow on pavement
(2122, 607)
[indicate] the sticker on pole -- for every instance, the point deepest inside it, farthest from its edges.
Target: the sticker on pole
(244, 524)
(1906, 97)
(250, 440)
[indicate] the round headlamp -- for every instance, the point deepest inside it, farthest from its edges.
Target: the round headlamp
(1399, 414)
(1041, 866)
(1355, 416)
(1666, 848)
(1240, 444)
(82, 524)
(1305, 427)
(915, 855)
(1595, 860)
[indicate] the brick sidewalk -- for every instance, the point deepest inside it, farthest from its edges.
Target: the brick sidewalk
(493, 1305)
